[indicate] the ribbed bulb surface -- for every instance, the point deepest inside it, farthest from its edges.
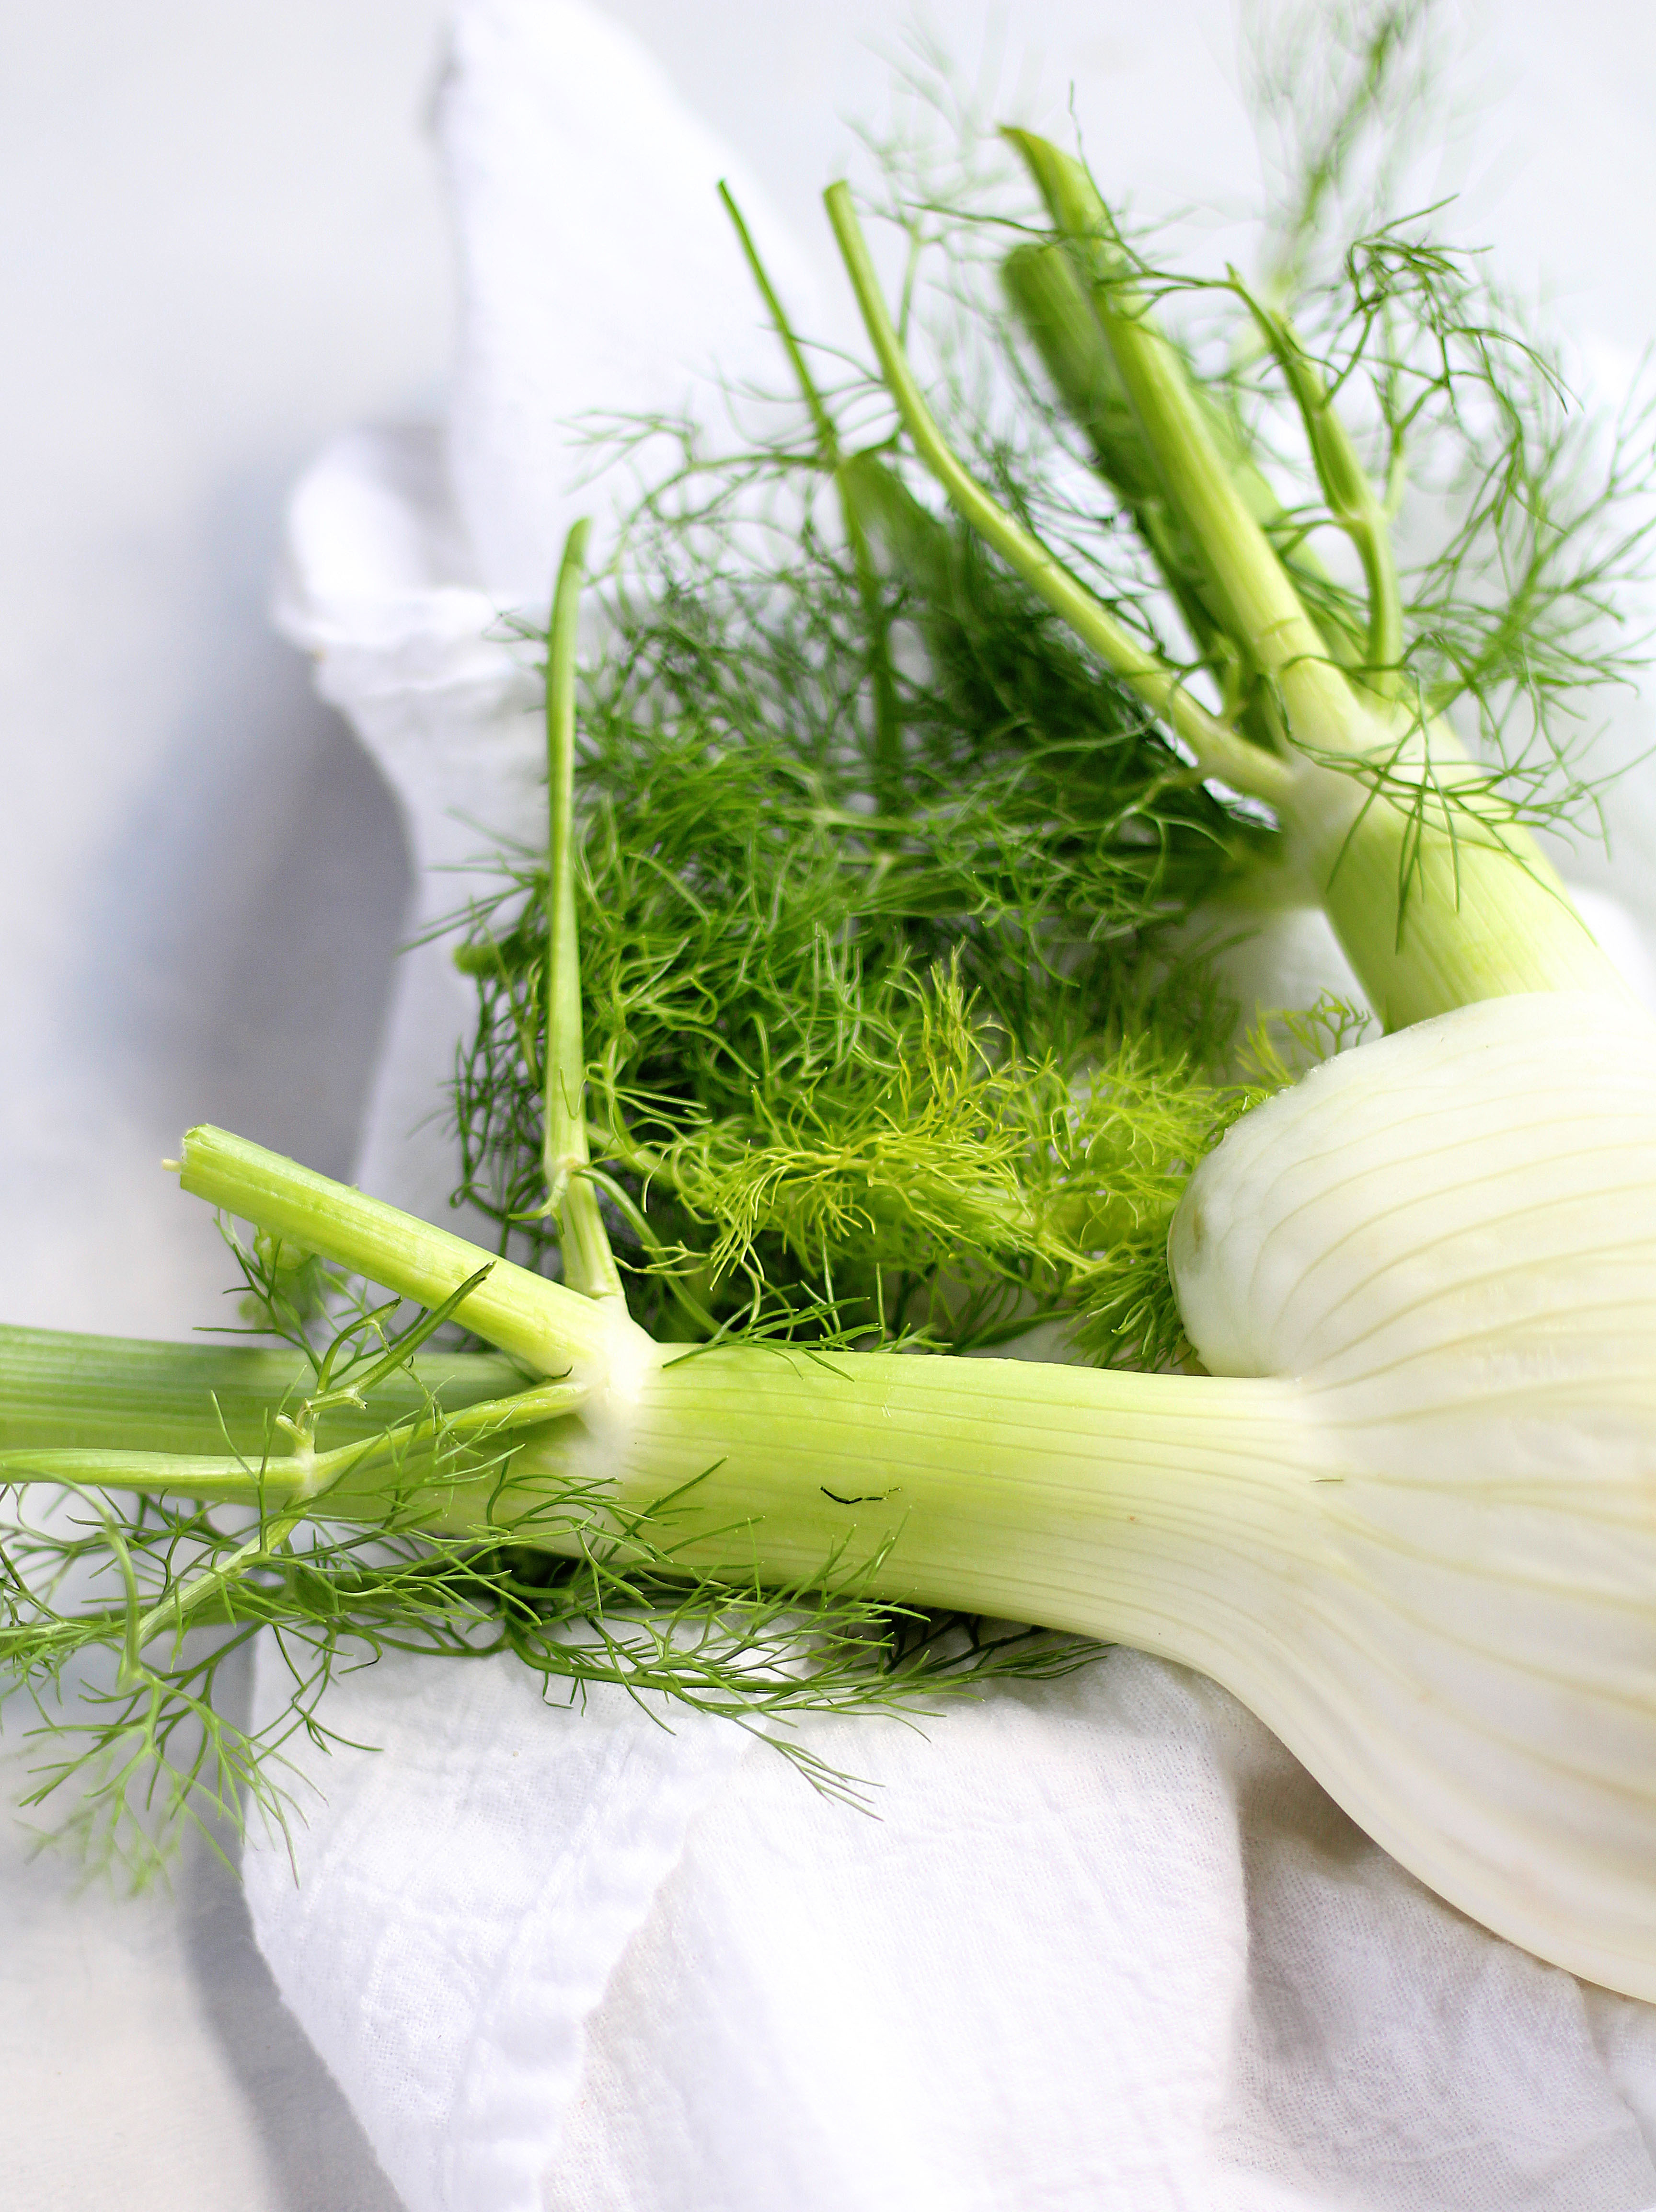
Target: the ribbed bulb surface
(1448, 1241)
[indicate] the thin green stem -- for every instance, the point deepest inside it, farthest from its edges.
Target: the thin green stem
(1353, 502)
(589, 1265)
(1436, 901)
(1057, 314)
(547, 1402)
(889, 784)
(827, 436)
(132, 1649)
(882, 677)
(298, 1479)
(1047, 296)
(1219, 752)
(218, 1479)
(554, 1328)
(174, 1610)
(294, 1478)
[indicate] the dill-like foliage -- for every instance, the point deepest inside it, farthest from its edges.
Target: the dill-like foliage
(894, 1050)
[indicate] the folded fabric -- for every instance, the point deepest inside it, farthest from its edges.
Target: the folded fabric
(1104, 1946)
(1100, 1942)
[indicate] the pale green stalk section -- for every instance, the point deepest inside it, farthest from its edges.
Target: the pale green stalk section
(1080, 1498)
(554, 1330)
(1219, 751)
(239, 1426)
(1139, 1507)
(1116, 1505)
(82, 1392)
(589, 1265)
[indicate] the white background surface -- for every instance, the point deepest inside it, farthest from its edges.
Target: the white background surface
(222, 239)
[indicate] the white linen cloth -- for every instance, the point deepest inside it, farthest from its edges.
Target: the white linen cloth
(1106, 1945)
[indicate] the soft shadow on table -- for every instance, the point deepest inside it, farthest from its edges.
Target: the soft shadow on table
(249, 917)
(317, 2156)
(305, 1021)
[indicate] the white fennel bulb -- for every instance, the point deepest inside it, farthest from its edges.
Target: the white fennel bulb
(1445, 1243)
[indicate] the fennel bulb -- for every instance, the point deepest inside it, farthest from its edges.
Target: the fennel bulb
(1444, 1245)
